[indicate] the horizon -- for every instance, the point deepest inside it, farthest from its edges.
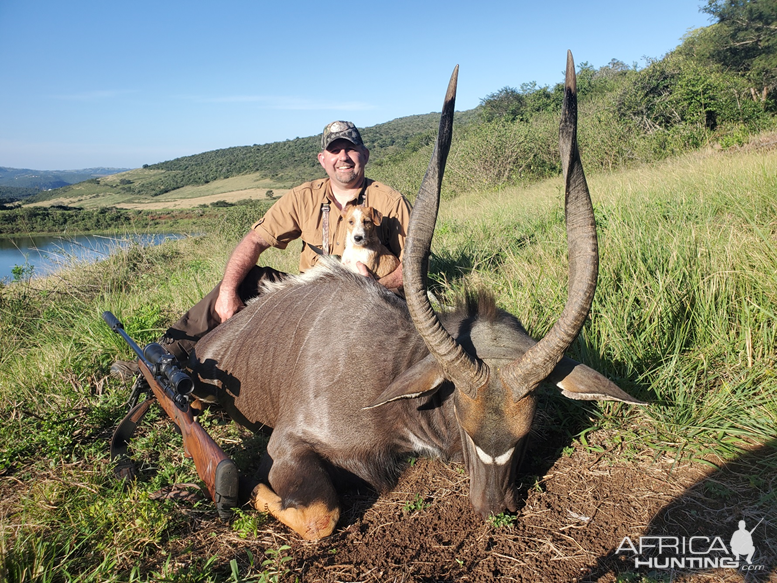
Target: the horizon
(107, 86)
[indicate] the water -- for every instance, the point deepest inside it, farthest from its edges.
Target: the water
(48, 254)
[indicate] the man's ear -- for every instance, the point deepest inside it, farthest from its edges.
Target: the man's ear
(366, 154)
(321, 159)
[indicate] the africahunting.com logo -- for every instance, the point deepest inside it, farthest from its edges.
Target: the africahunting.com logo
(694, 552)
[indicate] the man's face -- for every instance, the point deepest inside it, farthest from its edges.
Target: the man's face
(344, 162)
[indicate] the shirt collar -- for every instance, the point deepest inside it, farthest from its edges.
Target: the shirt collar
(361, 198)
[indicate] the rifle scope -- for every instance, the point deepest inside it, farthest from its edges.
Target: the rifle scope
(165, 364)
(157, 359)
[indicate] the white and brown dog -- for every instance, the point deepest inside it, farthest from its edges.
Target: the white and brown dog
(362, 243)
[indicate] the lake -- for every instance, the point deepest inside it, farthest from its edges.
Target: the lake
(48, 254)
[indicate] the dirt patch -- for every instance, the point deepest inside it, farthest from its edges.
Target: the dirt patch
(573, 520)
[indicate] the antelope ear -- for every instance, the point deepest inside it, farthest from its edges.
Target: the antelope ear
(420, 380)
(579, 382)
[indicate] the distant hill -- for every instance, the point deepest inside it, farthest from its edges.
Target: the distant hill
(19, 183)
(278, 164)
(705, 93)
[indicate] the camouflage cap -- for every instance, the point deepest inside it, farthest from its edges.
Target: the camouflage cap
(340, 130)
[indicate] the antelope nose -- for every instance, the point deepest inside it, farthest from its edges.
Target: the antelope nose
(492, 500)
(491, 508)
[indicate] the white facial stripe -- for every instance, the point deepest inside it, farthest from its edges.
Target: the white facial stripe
(505, 457)
(484, 457)
(499, 460)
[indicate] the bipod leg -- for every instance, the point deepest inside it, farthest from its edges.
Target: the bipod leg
(125, 468)
(141, 386)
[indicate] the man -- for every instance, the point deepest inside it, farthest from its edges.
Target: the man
(343, 156)
(309, 212)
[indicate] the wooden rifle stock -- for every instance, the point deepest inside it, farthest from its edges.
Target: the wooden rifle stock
(213, 466)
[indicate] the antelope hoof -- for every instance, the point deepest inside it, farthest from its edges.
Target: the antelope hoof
(311, 522)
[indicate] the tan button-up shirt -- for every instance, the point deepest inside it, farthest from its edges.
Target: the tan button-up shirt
(298, 214)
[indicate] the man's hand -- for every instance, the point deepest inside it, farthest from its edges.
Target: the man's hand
(392, 281)
(362, 269)
(241, 261)
(227, 305)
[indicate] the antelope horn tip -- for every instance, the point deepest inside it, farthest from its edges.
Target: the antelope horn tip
(571, 80)
(451, 93)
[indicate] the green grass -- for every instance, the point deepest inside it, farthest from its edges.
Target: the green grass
(246, 182)
(684, 314)
(117, 189)
(417, 504)
(684, 317)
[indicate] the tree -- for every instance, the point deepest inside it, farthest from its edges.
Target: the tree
(744, 40)
(507, 104)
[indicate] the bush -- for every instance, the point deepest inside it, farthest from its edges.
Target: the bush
(507, 104)
(503, 152)
(676, 92)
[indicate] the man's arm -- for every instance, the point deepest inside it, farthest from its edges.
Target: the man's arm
(243, 258)
(391, 281)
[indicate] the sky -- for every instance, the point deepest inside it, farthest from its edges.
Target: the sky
(87, 84)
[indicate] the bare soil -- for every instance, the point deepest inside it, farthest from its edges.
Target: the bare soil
(578, 507)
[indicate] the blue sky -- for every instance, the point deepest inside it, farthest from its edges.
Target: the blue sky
(122, 84)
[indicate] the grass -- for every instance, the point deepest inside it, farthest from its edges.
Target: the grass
(237, 183)
(417, 504)
(110, 192)
(684, 317)
(684, 314)
(502, 520)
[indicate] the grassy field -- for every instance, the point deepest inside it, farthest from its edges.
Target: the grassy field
(684, 313)
(685, 317)
(115, 191)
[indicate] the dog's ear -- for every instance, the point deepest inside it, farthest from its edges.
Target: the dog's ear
(374, 216)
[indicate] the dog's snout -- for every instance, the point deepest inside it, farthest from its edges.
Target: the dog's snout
(358, 238)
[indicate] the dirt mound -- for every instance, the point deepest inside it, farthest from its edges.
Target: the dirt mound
(573, 520)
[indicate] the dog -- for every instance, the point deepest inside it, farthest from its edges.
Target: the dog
(362, 243)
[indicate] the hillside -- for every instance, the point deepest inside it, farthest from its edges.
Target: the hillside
(19, 183)
(683, 317)
(242, 171)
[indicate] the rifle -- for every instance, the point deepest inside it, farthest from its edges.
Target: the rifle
(172, 387)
